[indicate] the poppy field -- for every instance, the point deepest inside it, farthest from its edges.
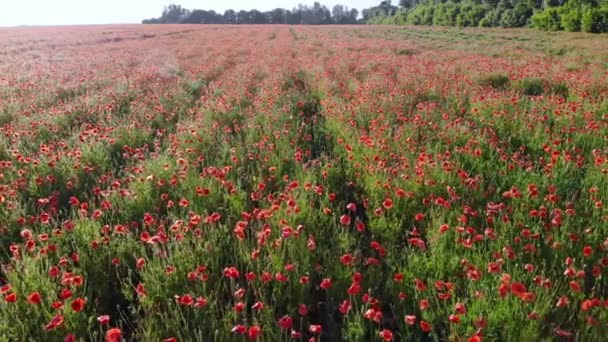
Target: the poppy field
(279, 183)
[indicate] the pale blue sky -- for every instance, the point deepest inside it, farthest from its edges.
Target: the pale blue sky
(73, 12)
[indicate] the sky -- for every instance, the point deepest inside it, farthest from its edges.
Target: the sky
(79, 12)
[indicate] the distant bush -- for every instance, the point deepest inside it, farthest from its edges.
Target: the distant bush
(400, 18)
(560, 89)
(531, 86)
(421, 15)
(491, 19)
(496, 81)
(571, 20)
(508, 19)
(548, 20)
(471, 15)
(516, 17)
(595, 20)
(406, 52)
(446, 14)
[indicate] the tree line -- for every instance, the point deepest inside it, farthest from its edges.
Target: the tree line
(554, 15)
(316, 14)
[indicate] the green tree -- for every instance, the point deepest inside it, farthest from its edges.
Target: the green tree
(173, 14)
(595, 20)
(230, 16)
(548, 20)
(408, 3)
(277, 16)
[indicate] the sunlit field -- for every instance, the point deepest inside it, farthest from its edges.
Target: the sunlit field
(277, 183)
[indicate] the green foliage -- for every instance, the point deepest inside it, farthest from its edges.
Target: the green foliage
(508, 18)
(573, 15)
(446, 14)
(517, 17)
(491, 19)
(421, 15)
(531, 86)
(7, 114)
(571, 20)
(406, 52)
(465, 14)
(400, 18)
(496, 81)
(595, 20)
(548, 20)
(471, 15)
(560, 89)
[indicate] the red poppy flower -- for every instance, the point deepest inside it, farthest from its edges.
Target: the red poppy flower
(345, 220)
(388, 203)
(114, 335)
(480, 322)
(258, 306)
(460, 308)
(562, 333)
(140, 263)
(10, 298)
(587, 251)
(34, 298)
(231, 272)
(425, 326)
(104, 319)
(563, 301)
(55, 322)
(354, 289)
(186, 300)
(420, 285)
(140, 290)
(325, 284)
(386, 335)
(518, 288)
(285, 322)
(344, 307)
(360, 226)
(239, 306)
(346, 259)
(475, 338)
(254, 332)
(78, 304)
(315, 328)
(239, 329)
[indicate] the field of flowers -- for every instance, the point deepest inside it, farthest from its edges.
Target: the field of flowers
(276, 183)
